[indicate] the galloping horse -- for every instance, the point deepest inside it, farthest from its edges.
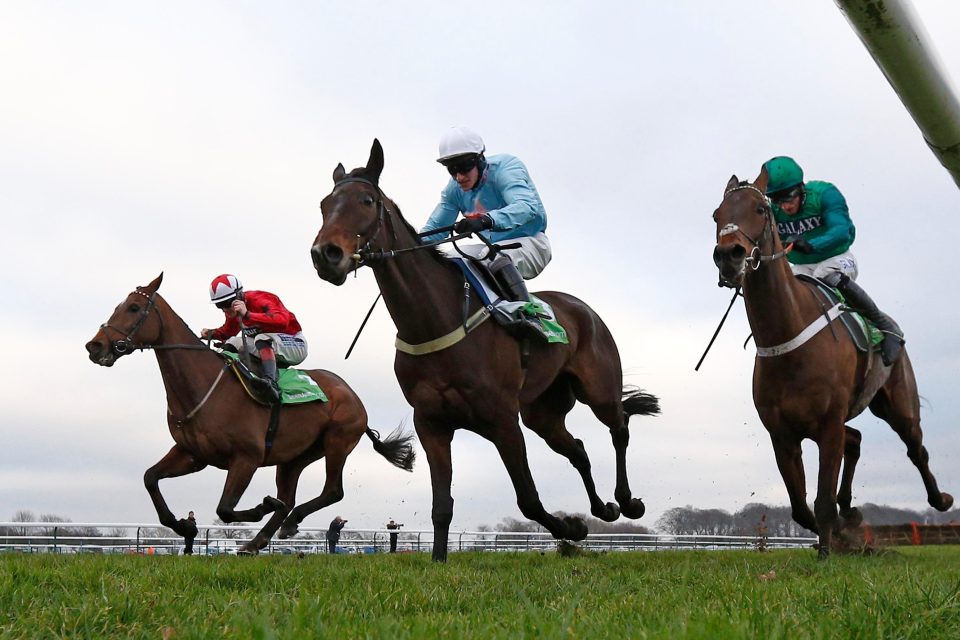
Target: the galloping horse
(478, 383)
(810, 389)
(213, 421)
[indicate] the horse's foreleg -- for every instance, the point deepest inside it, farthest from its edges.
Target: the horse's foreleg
(435, 441)
(177, 462)
(825, 505)
(851, 454)
(288, 474)
(513, 452)
(332, 492)
(789, 457)
(899, 405)
(239, 473)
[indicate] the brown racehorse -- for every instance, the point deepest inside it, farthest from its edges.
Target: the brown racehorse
(479, 383)
(812, 390)
(214, 422)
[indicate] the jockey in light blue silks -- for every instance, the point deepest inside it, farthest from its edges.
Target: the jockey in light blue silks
(499, 200)
(814, 217)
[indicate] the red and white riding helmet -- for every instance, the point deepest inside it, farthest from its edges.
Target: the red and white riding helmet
(224, 288)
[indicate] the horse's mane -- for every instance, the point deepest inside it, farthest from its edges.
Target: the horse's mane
(362, 172)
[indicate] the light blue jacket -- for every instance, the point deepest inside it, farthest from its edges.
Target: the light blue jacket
(505, 193)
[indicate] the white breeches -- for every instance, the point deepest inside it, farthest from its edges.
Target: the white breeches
(290, 350)
(530, 258)
(845, 263)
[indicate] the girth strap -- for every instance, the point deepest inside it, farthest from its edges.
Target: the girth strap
(443, 342)
(812, 329)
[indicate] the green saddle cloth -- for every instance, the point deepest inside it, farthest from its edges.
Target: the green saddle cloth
(543, 312)
(296, 387)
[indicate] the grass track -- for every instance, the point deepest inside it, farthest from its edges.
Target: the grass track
(910, 593)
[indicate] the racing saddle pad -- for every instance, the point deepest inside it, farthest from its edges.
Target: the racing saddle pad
(296, 387)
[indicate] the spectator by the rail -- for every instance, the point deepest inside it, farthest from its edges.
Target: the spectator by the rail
(393, 526)
(333, 533)
(190, 527)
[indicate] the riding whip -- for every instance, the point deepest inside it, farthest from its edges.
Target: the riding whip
(362, 325)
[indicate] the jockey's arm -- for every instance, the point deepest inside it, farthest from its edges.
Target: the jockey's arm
(515, 187)
(445, 213)
(267, 313)
(229, 329)
(836, 219)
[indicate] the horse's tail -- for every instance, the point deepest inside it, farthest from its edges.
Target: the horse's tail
(636, 401)
(396, 447)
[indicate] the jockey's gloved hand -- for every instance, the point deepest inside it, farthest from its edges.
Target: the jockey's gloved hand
(801, 245)
(473, 222)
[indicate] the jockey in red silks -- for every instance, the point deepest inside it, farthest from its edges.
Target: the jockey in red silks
(277, 336)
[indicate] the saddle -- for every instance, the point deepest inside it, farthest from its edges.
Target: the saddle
(494, 298)
(865, 337)
(296, 387)
(863, 333)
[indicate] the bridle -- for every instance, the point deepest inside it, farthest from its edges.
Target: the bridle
(126, 345)
(756, 257)
(367, 253)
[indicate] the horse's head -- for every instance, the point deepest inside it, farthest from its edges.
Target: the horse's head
(134, 324)
(353, 216)
(746, 235)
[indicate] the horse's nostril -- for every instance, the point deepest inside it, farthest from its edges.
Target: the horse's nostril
(332, 253)
(738, 252)
(93, 347)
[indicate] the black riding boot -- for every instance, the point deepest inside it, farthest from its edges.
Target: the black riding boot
(268, 372)
(505, 272)
(892, 334)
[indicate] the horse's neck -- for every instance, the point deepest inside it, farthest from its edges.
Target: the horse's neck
(423, 296)
(186, 373)
(775, 301)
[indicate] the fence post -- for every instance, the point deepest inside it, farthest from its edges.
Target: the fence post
(56, 530)
(138, 539)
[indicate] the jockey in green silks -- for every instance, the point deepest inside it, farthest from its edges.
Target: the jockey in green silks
(814, 217)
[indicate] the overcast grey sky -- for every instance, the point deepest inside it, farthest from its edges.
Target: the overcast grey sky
(199, 138)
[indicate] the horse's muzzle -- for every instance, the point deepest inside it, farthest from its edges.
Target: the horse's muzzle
(100, 353)
(331, 263)
(731, 261)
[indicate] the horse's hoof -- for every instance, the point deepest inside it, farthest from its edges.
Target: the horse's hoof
(576, 529)
(247, 550)
(850, 518)
(288, 532)
(946, 501)
(633, 509)
(822, 552)
(608, 513)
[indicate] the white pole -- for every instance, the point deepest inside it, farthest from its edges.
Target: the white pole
(895, 37)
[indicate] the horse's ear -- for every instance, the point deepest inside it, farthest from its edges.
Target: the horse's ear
(734, 181)
(375, 163)
(338, 173)
(153, 286)
(762, 179)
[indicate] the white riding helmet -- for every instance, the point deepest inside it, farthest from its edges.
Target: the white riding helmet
(459, 141)
(225, 287)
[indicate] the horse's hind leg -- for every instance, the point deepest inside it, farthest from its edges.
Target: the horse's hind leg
(177, 462)
(545, 417)
(898, 403)
(851, 454)
(288, 474)
(509, 442)
(331, 493)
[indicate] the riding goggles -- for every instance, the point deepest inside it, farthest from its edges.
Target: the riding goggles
(462, 167)
(786, 194)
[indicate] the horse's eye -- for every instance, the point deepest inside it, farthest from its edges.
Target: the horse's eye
(134, 308)
(761, 209)
(368, 200)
